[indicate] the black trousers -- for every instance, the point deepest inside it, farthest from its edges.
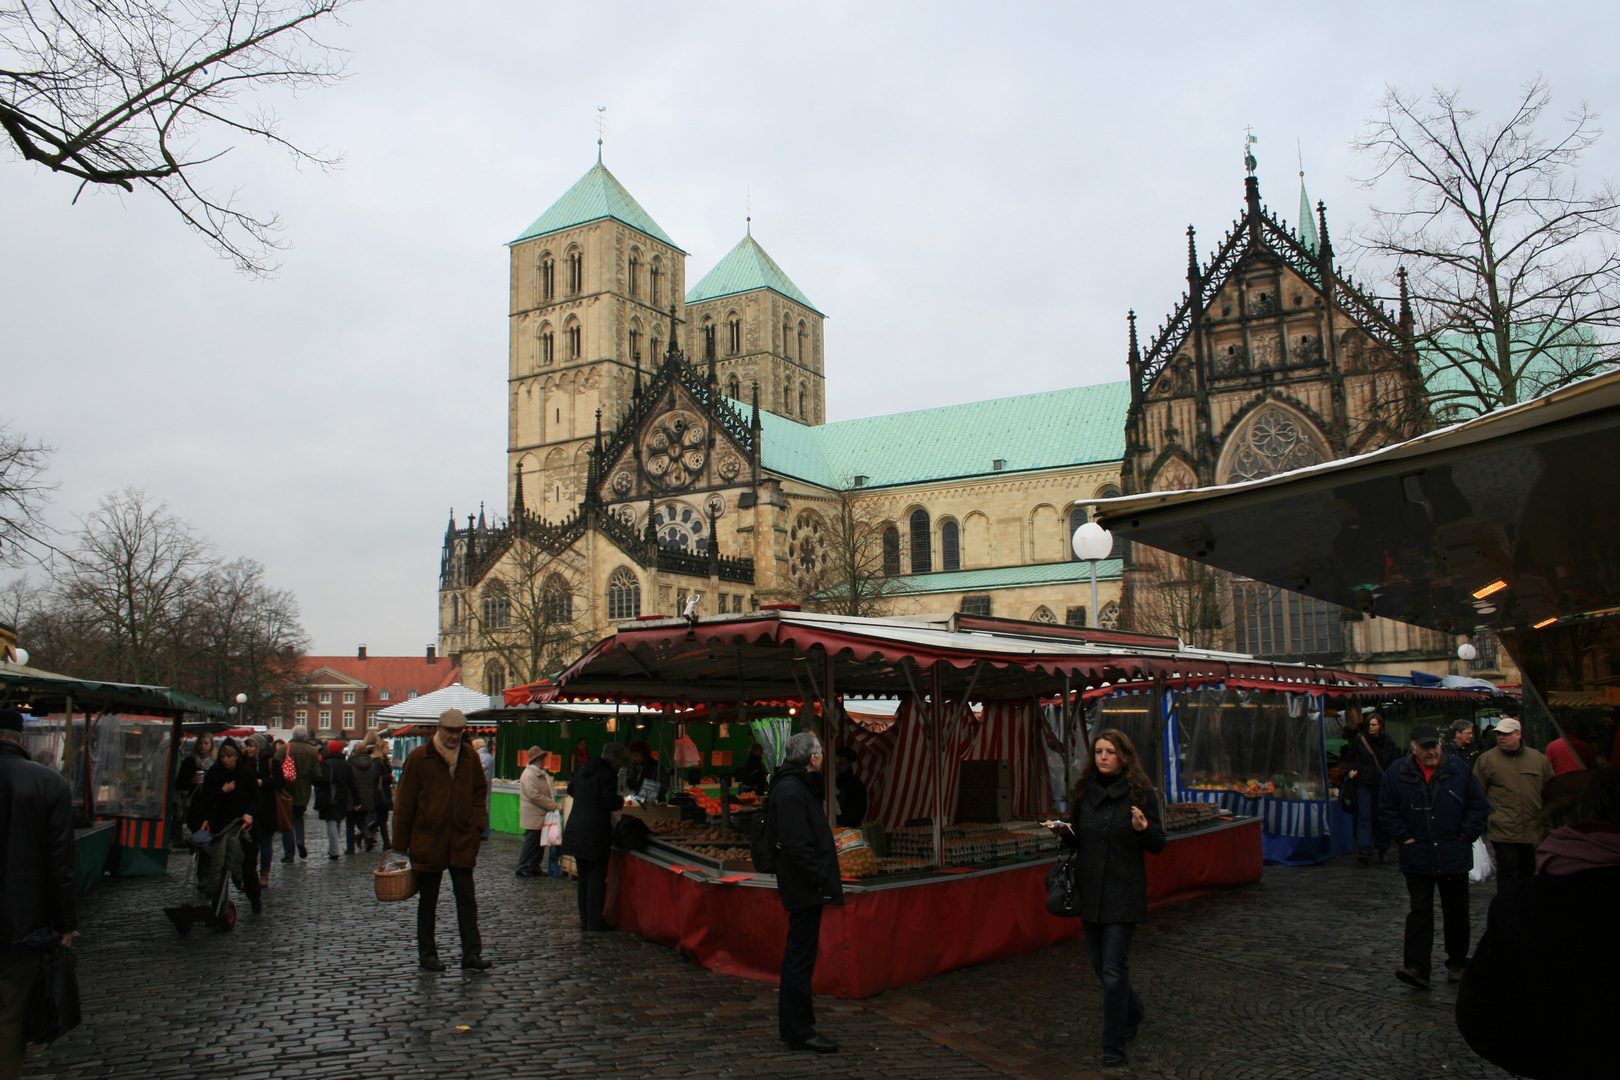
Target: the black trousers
(1420, 920)
(1514, 862)
(427, 910)
(796, 1010)
(529, 856)
(592, 892)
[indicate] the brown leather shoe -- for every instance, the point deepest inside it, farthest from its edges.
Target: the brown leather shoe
(264, 878)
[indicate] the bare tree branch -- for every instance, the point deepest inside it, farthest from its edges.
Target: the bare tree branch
(121, 92)
(23, 495)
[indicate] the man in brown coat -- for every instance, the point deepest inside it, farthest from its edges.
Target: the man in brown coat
(1513, 775)
(440, 811)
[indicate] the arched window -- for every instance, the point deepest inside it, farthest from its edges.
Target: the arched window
(733, 388)
(548, 277)
(623, 595)
(633, 276)
(1043, 614)
(787, 340)
(708, 338)
(803, 335)
(635, 341)
(1118, 550)
(548, 345)
(922, 550)
(807, 554)
(891, 551)
(655, 277)
(494, 678)
(576, 271)
(802, 395)
(571, 334)
(496, 613)
(557, 601)
(787, 401)
(1077, 518)
(734, 326)
(950, 546)
(653, 352)
(1108, 617)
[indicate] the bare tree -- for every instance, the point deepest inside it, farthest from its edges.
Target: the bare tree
(244, 638)
(121, 92)
(835, 558)
(1180, 598)
(1514, 274)
(522, 615)
(23, 494)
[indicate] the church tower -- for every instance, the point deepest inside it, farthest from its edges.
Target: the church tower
(748, 317)
(593, 281)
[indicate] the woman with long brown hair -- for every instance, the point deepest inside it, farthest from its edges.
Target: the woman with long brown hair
(1114, 820)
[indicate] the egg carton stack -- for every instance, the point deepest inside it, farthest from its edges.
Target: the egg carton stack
(1186, 815)
(971, 843)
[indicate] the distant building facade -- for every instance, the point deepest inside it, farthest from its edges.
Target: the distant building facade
(341, 695)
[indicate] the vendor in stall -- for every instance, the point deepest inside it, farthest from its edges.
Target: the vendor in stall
(851, 790)
(642, 767)
(750, 775)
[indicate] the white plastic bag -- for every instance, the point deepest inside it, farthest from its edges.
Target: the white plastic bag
(1484, 866)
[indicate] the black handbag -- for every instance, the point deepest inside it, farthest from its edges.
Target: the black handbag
(53, 1006)
(1062, 891)
(1347, 795)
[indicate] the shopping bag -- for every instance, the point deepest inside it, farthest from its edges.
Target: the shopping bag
(53, 1005)
(284, 811)
(1484, 866)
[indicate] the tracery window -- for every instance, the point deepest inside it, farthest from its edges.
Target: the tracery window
(922, 551)
(679, 526)
(623, 595)
(557, 601)
(494, 678)
(950, 546)
(807, 549)
(1108, 617)
(1043, 614)
(1273, 442)
(497, 611)
(733, 388)
(891, 550)
(1276, 622)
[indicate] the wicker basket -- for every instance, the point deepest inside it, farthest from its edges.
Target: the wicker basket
(393, 882)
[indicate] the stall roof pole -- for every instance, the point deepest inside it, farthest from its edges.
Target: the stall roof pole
(936, 710)
(830, 748)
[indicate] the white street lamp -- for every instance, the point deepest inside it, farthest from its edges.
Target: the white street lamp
(241, 707)
(1466, 651)
(1092, 542)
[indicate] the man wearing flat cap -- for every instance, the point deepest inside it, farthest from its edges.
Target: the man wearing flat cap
(1513, 775)
(1433, 809)
(440, 811)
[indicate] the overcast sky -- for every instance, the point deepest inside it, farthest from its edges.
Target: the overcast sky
(975, 194)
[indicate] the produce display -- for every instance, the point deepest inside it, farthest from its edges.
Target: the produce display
(968, 844)
(686, 831)
(709, 803)
(1185, 815)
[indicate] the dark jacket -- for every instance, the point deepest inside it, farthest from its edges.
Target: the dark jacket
(218, 807)
(851, 800)
(750, 775)
(806, 859)
(1444, 816)
(1536, 997)
(439, 819)
(339, 796)
(1112, 871)
(364, 769)
(307, 765)
(1466, 753)
(639, 773)
(595, 791)
(1372, 759)
(36, 848)
(264, 807)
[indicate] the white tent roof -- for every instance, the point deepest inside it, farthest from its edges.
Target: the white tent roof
(429, 706)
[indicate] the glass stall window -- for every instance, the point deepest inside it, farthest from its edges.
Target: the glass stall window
(1256, 743)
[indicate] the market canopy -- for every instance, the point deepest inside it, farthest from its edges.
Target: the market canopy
(430, 706)
(785, 654)
(1507, 521)
(41, 692)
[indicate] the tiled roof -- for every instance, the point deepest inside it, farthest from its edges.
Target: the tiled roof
(597, 194)
(1007, 577)
(396, 674)
(1034, 431)
(745, 268)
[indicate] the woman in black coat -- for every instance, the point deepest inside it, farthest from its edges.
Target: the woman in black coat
(337, 785)
(588, 836)
(229, 791)
(257, 756)
(1115, 820)
(1370, 753)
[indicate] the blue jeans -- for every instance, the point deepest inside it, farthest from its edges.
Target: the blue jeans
(1367, 830)
(1109, 945)
(294, 833)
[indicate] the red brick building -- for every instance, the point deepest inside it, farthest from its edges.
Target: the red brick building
(342, 694)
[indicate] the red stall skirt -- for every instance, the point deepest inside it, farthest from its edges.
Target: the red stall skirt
(881, 939)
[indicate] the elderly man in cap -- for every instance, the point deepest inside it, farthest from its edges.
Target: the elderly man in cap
(536, 799)
(1434, 810)
(439, 817)
(1512, 775)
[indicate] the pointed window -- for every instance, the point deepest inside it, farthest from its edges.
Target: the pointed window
(891, 551)
(654, 350)
(548, 277)
(571, 331)
(803, 338)
(635, 342)
(494, 679)
(787, 340)
(803, 393)
(576, 271)
(548, 345)
(734, 388)
(624, 595)
(950, 546)
(922, 549)
(787, 401)
(655, 275)
(557, 601)
(708, 340)
(734, 324)
(633, 278)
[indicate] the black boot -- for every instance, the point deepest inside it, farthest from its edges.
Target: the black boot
(475, 962)
(430, 962)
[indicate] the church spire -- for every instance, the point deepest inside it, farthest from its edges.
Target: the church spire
(1322, 233)
(1307, 220)
(518, 509)
(1133, 359)
(1406, 304)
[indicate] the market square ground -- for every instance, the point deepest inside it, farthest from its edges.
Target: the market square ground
(1288, 978)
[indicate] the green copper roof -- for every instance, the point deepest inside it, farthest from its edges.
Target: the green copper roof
(597, 195)
(1035, 431)
(745, 268)
(1006, 577)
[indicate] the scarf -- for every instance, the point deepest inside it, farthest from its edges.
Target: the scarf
(1585, 845)
(450, 756)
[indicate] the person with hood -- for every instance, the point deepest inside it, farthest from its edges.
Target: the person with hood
(1536, 998)
(1434, 809)
(588, 836)
(306, 757)
(439, 818)
(1370, 753)
(358, 828)
(536, 799)
(1513, 776)
(807, 879)
(38, 897)
(336, 798)
(224, 807)
(259, 840)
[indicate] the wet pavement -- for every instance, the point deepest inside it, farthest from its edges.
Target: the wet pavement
(1288, 978)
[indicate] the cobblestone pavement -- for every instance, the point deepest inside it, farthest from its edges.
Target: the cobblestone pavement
(1290, 978)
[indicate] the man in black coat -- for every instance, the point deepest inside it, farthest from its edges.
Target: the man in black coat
(1434, 809)
(807, 878)
(588, 836)
(851, 790)
(37, 889)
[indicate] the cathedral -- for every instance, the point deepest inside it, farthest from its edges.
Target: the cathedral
(669, 451)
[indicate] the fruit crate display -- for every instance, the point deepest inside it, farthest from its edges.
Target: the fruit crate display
(970, 843)
(1186, 815)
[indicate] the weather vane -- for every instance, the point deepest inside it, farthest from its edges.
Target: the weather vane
(601, 130)
(748, 203)
(1249, 139)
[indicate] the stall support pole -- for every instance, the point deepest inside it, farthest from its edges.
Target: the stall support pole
(830, 742)
(1064, 740)
(67, 742)
(936, 711)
